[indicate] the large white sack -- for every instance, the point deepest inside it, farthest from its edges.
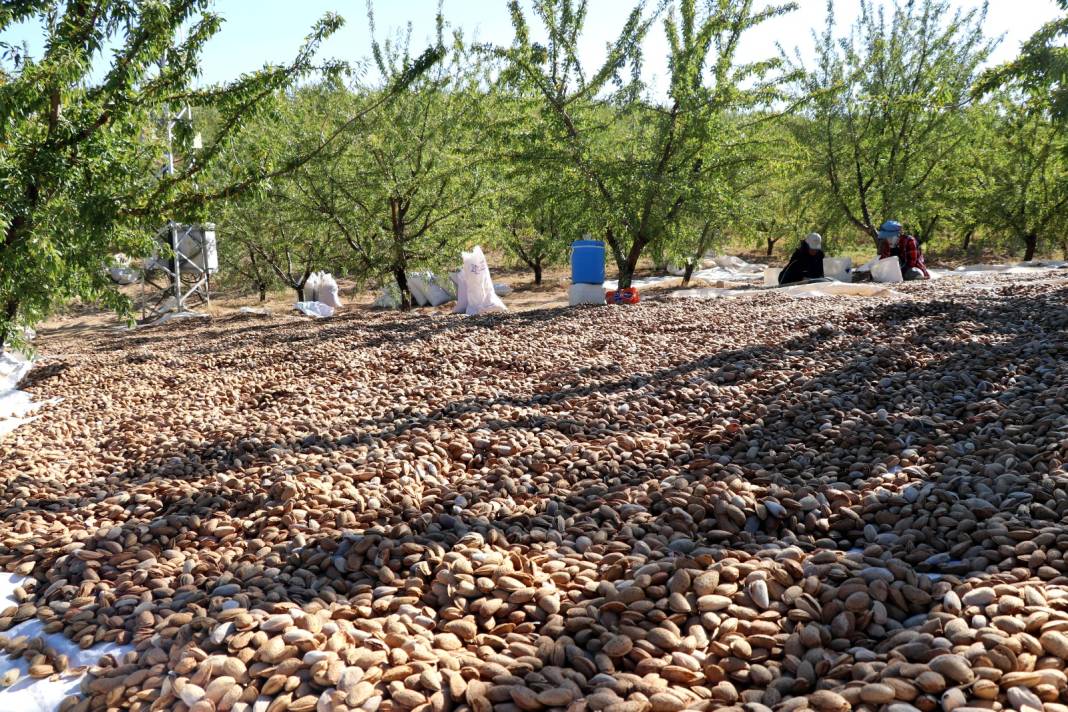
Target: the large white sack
(502, 290)
(887, 271)
(585, 294)
(771, 276)
(389, 299)
(328, 290)
(311, 287)
(322, 287)
(481, 299)
(437, 295)
(417, 285)
(461, 287)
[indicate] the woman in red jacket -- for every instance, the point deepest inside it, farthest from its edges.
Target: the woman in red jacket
(894, 243)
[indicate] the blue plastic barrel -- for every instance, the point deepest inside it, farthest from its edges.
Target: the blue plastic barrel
(587, 262)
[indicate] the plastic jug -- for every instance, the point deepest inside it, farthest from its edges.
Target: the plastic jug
(587, 262)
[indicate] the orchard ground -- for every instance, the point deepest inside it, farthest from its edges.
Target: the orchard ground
(677, 505)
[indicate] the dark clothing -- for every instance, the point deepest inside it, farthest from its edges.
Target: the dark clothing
(908, 253)
(803, 265)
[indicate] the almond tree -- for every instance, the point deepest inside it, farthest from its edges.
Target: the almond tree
(638, 186)
(81, 147)
(887, 108)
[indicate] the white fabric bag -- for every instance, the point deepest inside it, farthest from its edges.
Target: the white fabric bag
(887, 271)
(481, 299)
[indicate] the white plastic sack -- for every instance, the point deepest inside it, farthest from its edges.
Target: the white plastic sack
(315, 309)
(122, 275)
(437, 295)
(838, 268)
(322, 287)
(771, 276)
(417, 285)
(585, 294)
(481, 299)
(887, 271)
(502, 290)
(389, 299)
(461, 288)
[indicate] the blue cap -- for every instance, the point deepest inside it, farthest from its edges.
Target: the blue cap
(890, 228)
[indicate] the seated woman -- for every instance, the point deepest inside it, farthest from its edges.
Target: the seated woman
(806, 263)
(895, 242)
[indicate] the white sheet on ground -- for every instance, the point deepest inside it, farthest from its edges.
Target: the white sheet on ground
(15, 405)
(1018, 268)
(727, 268)
(799, 291)
(170, 316)
(315, 309)
(255, 310)
(28, 694)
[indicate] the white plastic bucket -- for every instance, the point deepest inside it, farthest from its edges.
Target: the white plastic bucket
(838, 268)
(887, 271)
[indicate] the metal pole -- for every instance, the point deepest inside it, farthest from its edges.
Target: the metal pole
(174, 227)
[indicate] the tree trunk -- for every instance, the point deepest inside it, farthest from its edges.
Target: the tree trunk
(1031, 240)
(771, 245)
(402, 285)
(630, 264)
(690, 264)
(263, 292)
(1064, 248)
(300, 293)
(968, 238)
(537, 272)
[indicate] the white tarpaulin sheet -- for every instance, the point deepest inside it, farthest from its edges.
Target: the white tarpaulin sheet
(316, 309)
(15, 405)
(799, 291)
(727, 268)
(28, 694)
(170, 316)
(1018, 268)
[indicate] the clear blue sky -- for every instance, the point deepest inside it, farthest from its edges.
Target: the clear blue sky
(271, 29)
(257, 31)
